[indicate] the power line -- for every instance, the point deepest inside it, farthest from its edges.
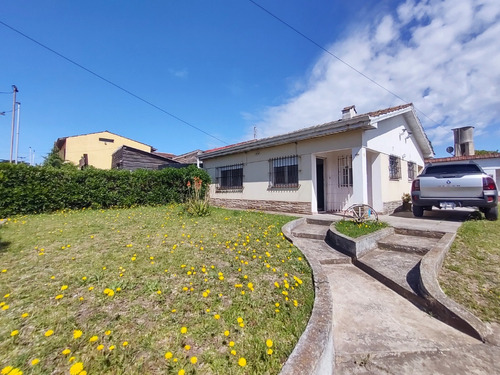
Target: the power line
(336, 57)
(112, 83)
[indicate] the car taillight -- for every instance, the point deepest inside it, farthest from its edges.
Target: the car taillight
(488, 184)
(415, 185)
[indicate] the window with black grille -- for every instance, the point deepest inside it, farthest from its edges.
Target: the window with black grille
(345, 170)
(230, 177)
(394, 168)
(411, 171)
(284, 172)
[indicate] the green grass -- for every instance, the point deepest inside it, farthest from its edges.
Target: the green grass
(353, 229)
(470, 273)
(232, 271)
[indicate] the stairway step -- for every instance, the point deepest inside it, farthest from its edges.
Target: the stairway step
(322, 251)
(312, 231)
(314, 221)
(407, 244)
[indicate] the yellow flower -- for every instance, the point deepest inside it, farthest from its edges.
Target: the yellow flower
(240, 320)
(231, 343)
(168, 355)
(269, 351)
(112, 347)
(226, 333)
(6, 370)
(125, 343)
(7, 295)
(100, 347)
(193, 360)
(233, 352)
(66, 351)
(183, 330)
(90, 288)
(5, 307)
(93, 338)
(84, 278)
(49, 333)
(35, 361)
(64, 287)
(181, 372)
(269, 343)
(242, 362)
(77, 333)
(107, 333)
(217, 316)
(187, 347)
(59, 296)
(76, 369)
(14, 333)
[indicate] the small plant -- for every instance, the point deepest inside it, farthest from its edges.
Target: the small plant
(197, 203)
(406, 197)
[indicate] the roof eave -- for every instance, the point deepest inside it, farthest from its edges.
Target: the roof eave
(360, 122)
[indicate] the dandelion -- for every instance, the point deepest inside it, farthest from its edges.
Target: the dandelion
(242, 362)
(6, 370)
(59, 296)
(269, 351)
(5, 307)
(100, 347)
(107, 333)
(226, 333)
(14, 333)
(76, 369)
(64, 287)
(34, 362)
(233, 352)
(125, 343)
(77, 333)
(168, 355)
(187, 347)
(93, 338)
(181, 372)
(112, 347)
(194, 360)
(49, 333)
(66, 351)
(184, 330)
(231, 343)
(217, 316)
(269, 343)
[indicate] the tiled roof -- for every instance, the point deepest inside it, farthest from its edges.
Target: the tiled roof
(165, 154)
(463, 157)
(387, 110)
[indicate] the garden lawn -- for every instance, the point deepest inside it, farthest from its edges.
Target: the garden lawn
(470, 273)
(150, 291)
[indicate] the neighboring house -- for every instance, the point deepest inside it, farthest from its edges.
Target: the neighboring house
(189, 158)
(95, 149)
(489, 162)
(370, 158)
(130, 158)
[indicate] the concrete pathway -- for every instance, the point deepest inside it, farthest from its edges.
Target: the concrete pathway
(376, 330)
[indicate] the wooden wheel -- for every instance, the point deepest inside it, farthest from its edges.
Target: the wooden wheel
(360, 213)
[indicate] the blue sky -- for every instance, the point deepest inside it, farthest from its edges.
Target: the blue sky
(226, 66)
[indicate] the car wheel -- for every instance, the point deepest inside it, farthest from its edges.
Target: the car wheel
(492, 213)
(418, 211)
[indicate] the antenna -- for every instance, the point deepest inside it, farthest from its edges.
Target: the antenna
(254, 132)
(449, 150)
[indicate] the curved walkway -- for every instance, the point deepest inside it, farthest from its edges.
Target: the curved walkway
(360, 326)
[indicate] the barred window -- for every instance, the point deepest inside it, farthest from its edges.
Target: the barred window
(394, 168)
(230, 177)
(345, 170)
(411, 171)
(284, 172)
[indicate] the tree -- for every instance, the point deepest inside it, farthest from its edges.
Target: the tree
(53, 159)
(485, 152)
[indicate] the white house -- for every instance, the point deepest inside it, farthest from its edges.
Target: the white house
(369, 158)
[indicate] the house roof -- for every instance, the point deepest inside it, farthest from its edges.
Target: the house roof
(363, 121)
(165, 154)
(60, 141)
(188, 158)
(153, 155)
(463, 157)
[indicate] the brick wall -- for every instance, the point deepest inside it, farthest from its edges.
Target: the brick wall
(261, 205)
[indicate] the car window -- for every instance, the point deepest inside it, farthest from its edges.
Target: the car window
(453, 169)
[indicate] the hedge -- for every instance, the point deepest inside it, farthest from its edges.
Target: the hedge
(33, 189)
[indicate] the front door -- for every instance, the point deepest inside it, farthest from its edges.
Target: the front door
(320, 184)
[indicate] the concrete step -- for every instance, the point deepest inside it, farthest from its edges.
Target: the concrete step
(317, 221)
(312, 231)
(400, 271)
(322, 252)
(407, 244)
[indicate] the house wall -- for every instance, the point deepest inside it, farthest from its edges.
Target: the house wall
(99, 152)
(125, 158)
(256, 174)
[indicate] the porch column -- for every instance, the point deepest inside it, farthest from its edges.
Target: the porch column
(359, 176)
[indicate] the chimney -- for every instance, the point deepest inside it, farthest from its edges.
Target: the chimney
(464, 141)
(349, 112)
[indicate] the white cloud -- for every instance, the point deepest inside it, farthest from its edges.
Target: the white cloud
(442, 55)
(179, 73)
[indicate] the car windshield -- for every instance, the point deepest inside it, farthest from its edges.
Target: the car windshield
(453, 169)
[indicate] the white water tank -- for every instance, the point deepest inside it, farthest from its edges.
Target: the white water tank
(464, 141)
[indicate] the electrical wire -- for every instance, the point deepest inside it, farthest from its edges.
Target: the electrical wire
(338, 58)
(113, 84)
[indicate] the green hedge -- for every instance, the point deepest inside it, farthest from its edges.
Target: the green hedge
(25, 189)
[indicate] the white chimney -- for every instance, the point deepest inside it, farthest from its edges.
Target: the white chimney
(349, 112)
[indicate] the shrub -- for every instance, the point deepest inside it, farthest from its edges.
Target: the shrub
(26, 189)
(197, 204)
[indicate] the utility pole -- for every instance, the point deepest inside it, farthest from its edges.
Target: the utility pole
(17, 135)
(14, 89)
